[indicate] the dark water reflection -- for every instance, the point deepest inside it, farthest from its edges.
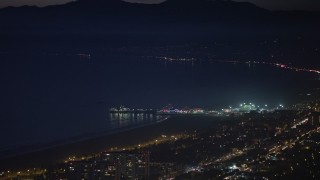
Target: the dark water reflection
(50, 97)
(122, 120)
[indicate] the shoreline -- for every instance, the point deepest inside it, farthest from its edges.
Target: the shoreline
(126, 137)
(77, 139)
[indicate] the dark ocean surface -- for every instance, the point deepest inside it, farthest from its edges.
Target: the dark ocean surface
(53, 98)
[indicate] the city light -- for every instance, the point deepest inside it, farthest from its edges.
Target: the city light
(160, 90)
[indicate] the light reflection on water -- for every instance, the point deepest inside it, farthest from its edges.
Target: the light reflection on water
(47, 98)
(122, 120)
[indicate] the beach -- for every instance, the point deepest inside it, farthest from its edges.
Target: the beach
(126, 137)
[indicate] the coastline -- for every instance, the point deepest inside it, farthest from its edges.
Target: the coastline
(44, 146)
(104, 141)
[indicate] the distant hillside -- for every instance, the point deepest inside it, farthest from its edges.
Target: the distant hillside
(115, 19)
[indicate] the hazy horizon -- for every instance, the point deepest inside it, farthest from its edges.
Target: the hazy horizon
(312, 5)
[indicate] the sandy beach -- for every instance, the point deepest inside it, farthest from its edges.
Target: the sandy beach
(126, 137)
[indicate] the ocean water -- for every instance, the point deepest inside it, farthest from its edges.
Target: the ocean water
(55, 97)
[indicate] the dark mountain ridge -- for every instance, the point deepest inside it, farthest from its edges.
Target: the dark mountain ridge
(169, 8)
(119, 12)
(116, 20)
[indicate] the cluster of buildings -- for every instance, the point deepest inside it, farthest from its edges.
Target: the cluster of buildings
(277, 144)
(164, 111)
(113, 166)
(181, 111)
(269, 144)
(123, 110)
(170, 110)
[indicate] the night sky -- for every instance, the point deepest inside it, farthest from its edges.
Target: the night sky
(270, 4)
